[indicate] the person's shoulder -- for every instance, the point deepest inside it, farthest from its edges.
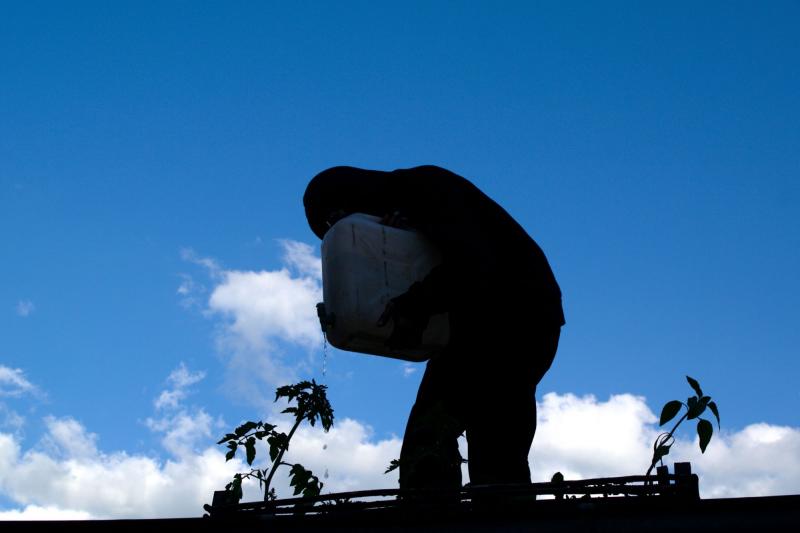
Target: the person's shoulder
(436, 175)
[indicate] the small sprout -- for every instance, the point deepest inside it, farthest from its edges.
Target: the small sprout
(695, 406)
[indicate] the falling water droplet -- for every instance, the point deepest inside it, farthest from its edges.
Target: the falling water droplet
(324, 354)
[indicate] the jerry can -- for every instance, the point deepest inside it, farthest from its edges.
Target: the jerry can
(364, 265)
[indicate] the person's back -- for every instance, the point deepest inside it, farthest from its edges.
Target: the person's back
(505, 316)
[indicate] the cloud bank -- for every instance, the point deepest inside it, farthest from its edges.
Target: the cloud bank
(580, 436)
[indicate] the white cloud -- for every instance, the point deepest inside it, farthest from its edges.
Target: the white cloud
(260, 314)
(25, 308)
(408, 369)
(300, 256)
(169, 399)
(114, 485)
(184, 432)
(260, 307)
(78, 481)
(66, 475)
(211, 265)
(34, 512)
(186, 285)
(180, 379)
(10, 419)
(263, 312)
(190, 292)
(14, 384)
(583, 438)
(579, 436)
(350, 455)
(67, 437)
(759, 460)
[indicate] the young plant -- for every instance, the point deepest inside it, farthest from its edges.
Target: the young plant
(695, 406)
(443, 428)
(311, 404)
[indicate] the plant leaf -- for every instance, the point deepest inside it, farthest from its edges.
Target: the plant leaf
(695, 385)
(277, 442)
(304, 481)
(300, 477)
(704, 431)
(236, 487)
(229, 436)
(669, 411)
(394, 465)
(691, 407)
(703, 403)
(250, 448)
(242, 430)
(230, 455)
(713, 407)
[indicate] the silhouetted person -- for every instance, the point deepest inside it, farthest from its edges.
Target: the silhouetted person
(504, 310)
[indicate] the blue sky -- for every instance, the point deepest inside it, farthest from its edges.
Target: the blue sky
(150, 150)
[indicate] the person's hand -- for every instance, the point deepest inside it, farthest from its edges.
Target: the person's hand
(406, 333)
(394, 219)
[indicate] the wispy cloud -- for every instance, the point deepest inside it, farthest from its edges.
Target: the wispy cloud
(13, 383)
(300, 257)
(180, 380)
(25, 308)
(190, 292)
(409, 369)
(183, 429)
(10, 419)
(211, 265)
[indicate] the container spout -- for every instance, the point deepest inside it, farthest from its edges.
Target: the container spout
(325, 319)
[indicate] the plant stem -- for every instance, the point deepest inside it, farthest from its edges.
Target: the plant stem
(669, 436)
(277, 462)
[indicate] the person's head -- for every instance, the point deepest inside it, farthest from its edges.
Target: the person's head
(340, 191)
(332, 195)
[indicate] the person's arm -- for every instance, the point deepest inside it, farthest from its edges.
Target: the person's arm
(411, 311)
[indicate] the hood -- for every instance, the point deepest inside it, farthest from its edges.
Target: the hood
(353, 190)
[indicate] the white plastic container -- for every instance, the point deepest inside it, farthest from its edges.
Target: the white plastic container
(364, 265)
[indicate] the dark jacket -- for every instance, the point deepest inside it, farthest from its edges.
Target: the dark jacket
(493, 274)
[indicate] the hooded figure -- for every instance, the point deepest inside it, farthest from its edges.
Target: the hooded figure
(505, 314)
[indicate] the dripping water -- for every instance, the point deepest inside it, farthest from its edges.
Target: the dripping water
(324, 372)
(324, 355)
